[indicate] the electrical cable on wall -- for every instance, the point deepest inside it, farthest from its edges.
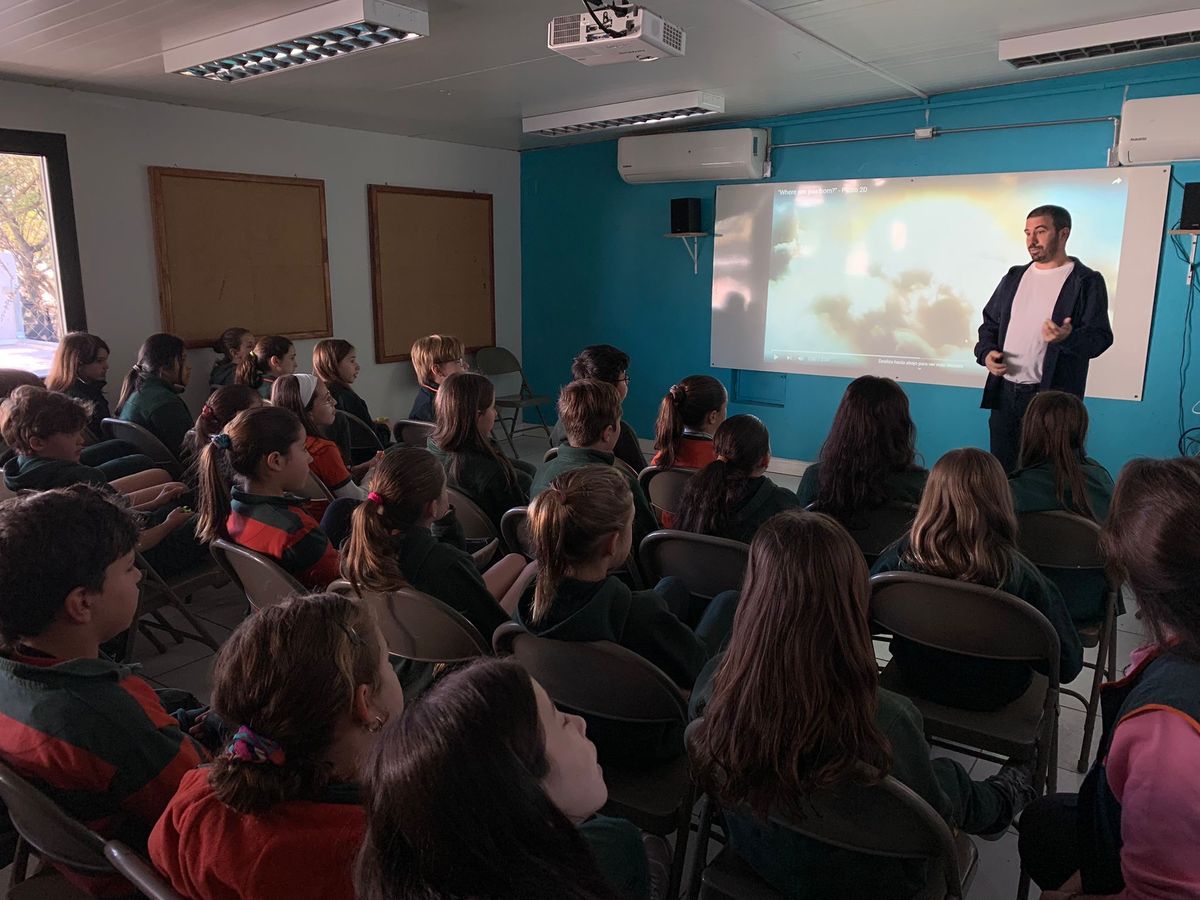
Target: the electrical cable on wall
(1189, 438)
(592, 5)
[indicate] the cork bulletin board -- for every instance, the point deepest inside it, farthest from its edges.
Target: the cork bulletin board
(432, 268)
(240, 250)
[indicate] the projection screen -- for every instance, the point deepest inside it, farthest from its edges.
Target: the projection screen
(889, 276)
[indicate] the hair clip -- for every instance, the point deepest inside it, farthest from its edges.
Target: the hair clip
(223, 441)
(206, 412)
(375, 498)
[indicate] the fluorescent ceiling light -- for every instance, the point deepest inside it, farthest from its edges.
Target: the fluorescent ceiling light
(312, 35)
(620, 115)
(1106, 39)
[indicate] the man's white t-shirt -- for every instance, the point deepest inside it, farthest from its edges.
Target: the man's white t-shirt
(1024, 349)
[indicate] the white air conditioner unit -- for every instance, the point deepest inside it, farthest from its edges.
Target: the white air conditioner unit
(727, 154)
(1159, 130)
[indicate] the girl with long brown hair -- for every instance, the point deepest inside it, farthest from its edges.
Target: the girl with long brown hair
(965, 529)
(305, 687)
(794, 705)
(869, 456)
(581, 527)
(1133, 828)
(335, 362)
(407, 535)
(232, 347)
(265, 448)
(687, 418)
(462, 442)
(484, 789)
(272, 357)
(732, 496)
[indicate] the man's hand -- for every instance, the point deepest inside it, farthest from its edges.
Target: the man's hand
(995, 362)
(1054, 334)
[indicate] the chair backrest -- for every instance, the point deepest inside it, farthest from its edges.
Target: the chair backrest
(145, 442)
(496, 361)
(514, 528)
(362, 435)
(314, 488)
(550, 454)
(970, 619)
(50, 831)
(420, 627)
(708, 565)
(664, 487)
(596, 678)
(475, 521)
(875, 530)
(885, 818)
(1059, 540)
(412, 432)
(262, 580)
(139, 872)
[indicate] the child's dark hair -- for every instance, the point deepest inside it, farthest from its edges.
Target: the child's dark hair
(604, 362)
(872, 438)
(253, 435)
(460, 400)
(685, 405)
(567, 522)
(327, 356)
(219, 409)
(289, 674)
(1054, 430)
(33, 412)
(257, 364)
(158, 352)
(587, 407)
(285, 393)
(228, 342)
(52, 543)
(455, 803)
(74, 350)
(404, 482)
(741, 443)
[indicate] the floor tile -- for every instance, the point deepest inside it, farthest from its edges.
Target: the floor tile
(176, 655)
(195, 677)
(999, 869)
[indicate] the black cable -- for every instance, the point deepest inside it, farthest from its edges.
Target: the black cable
(587, 4)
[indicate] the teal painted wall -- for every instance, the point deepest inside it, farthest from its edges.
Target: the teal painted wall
(597, 269)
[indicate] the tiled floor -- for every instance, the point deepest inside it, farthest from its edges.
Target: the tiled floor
(189, 666)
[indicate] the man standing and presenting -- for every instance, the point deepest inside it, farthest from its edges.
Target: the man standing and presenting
(1045, 322)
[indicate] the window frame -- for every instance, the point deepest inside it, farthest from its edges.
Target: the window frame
(52, 147)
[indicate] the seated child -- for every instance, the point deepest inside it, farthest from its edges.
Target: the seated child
(265, 448)
(869, 457)
(218, 411)
(232, 347)
(688, 417)
(732, 496)
(272, 357)
(484, 789)
(965, 529)
(435, 358)
(307, 397)
(88, 732)
(151, 392)
(1055, 473)
(462, 442)
(581, 528)
(591, 414)
(765, 745)
(335, 362)
(604, 362)
(304, 689)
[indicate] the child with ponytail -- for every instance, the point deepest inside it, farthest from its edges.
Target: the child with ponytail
(732, 496)
(687, 419)
(265, 448)
(150, 393)
(305, 689)
(406, 535)
(272, 357)
(218, 411)
(233, 346)
(581, 527)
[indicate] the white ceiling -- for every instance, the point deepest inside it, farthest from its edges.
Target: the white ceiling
(486, 63)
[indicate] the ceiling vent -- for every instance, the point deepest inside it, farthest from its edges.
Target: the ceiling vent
(1176, 29)
(314, 35)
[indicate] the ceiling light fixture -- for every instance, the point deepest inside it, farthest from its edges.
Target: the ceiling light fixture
(650, 111)
(313, 35)
(1106, 39)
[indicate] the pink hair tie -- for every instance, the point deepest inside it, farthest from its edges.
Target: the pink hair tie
(375, 498)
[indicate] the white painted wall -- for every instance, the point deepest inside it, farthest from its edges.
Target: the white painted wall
(111, 141)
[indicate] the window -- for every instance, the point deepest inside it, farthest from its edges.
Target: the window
(41, 290)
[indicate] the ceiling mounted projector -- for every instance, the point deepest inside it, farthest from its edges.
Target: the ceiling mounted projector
(615, 34)
(312, 35)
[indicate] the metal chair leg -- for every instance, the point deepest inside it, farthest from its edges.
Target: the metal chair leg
(682, 833)
(1023, 886)
(700, 851)
(1093, 704)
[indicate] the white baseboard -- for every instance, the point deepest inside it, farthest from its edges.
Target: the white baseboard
(779, 465)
